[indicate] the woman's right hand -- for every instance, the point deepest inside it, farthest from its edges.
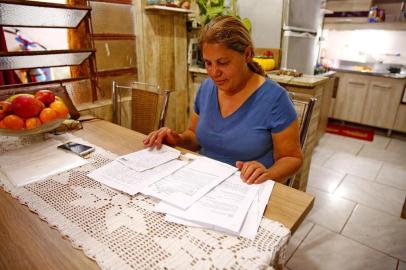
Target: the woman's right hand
(163, 135)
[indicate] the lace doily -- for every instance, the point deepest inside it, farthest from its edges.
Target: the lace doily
(122, 232)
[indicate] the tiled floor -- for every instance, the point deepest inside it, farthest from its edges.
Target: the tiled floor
(360, 188)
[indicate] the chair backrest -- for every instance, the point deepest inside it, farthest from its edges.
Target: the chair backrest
(304, 108)
(140, 106)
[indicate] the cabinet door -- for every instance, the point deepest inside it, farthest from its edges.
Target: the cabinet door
(400, 122)
(350, 99)
(382, 102)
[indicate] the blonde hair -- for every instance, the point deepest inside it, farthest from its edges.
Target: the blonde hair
(231, 33)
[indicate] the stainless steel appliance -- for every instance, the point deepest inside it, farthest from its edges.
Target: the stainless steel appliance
(301, 22)
(290, 25)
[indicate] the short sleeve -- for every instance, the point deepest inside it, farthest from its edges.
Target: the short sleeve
(199, 97)
(283, 113)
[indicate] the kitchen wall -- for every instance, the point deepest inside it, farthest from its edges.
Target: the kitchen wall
(364, 45)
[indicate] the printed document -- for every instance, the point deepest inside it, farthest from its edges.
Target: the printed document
(190, 183)
(149, 158)
(250, 224)
(118, 176)
(225, 206)
(37, 161)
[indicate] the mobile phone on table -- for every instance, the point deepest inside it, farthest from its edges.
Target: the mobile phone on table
(77, 148)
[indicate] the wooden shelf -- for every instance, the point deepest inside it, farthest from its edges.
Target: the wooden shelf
(165, 8)
(399, 26)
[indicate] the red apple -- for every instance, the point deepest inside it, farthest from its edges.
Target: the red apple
(45, 96)
(10, 99)
(26, 106)
(5, 107)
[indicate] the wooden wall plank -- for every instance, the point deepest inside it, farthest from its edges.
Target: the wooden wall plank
(112, 18)
(115, 54)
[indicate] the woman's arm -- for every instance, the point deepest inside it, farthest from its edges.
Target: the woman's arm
(187, 139)
(287, 155)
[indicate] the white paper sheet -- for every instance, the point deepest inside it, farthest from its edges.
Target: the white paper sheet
(225, 206)
(191, 182)
(149, 158)
(36, 161)
(119, 176)
(251, 222)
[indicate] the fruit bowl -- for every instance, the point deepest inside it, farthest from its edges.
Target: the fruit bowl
(24, 132)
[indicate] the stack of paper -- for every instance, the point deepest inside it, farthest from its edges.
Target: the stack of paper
(195, 191)
(190, 183)
(149, 158)
(232, 206)
(136, 171)
(37, 161)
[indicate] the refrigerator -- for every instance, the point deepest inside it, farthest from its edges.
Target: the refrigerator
(290, 25)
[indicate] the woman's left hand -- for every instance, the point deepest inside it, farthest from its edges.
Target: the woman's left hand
(253, 172)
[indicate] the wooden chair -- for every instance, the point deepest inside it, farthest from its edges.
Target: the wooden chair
(304, 108)
(139, 106)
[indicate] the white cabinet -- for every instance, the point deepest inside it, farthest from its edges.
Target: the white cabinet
(368, 100)
(351, 95)
(382, 102)
(400, 122)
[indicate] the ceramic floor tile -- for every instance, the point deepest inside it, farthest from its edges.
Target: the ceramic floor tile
(397, 145)
(341, 144)
(372, 194)
(298, 237)
(378, 230)
(321, 155)
(392, 175)
(329, 211)
(323, 249)
(358, 166)
(379, 141)
(395, 158)
(324, 178)
(402, 266)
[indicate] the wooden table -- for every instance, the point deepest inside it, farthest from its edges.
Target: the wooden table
(27, 242)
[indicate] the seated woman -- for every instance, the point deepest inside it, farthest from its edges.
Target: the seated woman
(240, 117)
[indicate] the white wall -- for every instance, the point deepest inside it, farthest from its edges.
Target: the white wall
(367, 46)
(266, 20)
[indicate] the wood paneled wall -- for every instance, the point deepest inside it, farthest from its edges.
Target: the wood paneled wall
(115, 42)
(162, 58)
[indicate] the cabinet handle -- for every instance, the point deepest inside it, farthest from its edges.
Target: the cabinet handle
(356, 83)
(383, 86)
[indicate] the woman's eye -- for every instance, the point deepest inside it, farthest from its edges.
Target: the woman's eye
(222, 63)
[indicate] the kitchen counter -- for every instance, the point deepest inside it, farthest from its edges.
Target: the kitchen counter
(303, 81)
(371, 73)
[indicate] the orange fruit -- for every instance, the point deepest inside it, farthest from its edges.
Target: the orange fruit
(2, 124)
(32, 122)
(13, 122)
(48, 115)
(60, 108)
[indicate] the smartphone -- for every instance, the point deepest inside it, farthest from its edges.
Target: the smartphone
(77, 148)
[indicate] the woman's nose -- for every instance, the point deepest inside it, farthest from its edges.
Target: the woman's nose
(216, 71)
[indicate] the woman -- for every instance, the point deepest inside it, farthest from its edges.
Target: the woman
(240, 117)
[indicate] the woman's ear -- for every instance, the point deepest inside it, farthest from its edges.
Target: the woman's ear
(248, 54)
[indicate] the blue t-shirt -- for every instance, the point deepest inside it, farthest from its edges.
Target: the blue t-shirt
(246, 134)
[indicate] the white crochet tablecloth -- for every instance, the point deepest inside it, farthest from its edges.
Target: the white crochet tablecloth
(122, 232)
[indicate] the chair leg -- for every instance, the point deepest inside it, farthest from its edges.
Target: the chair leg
(291, 181)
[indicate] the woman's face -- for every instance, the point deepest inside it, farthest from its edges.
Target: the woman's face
(226, 67)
